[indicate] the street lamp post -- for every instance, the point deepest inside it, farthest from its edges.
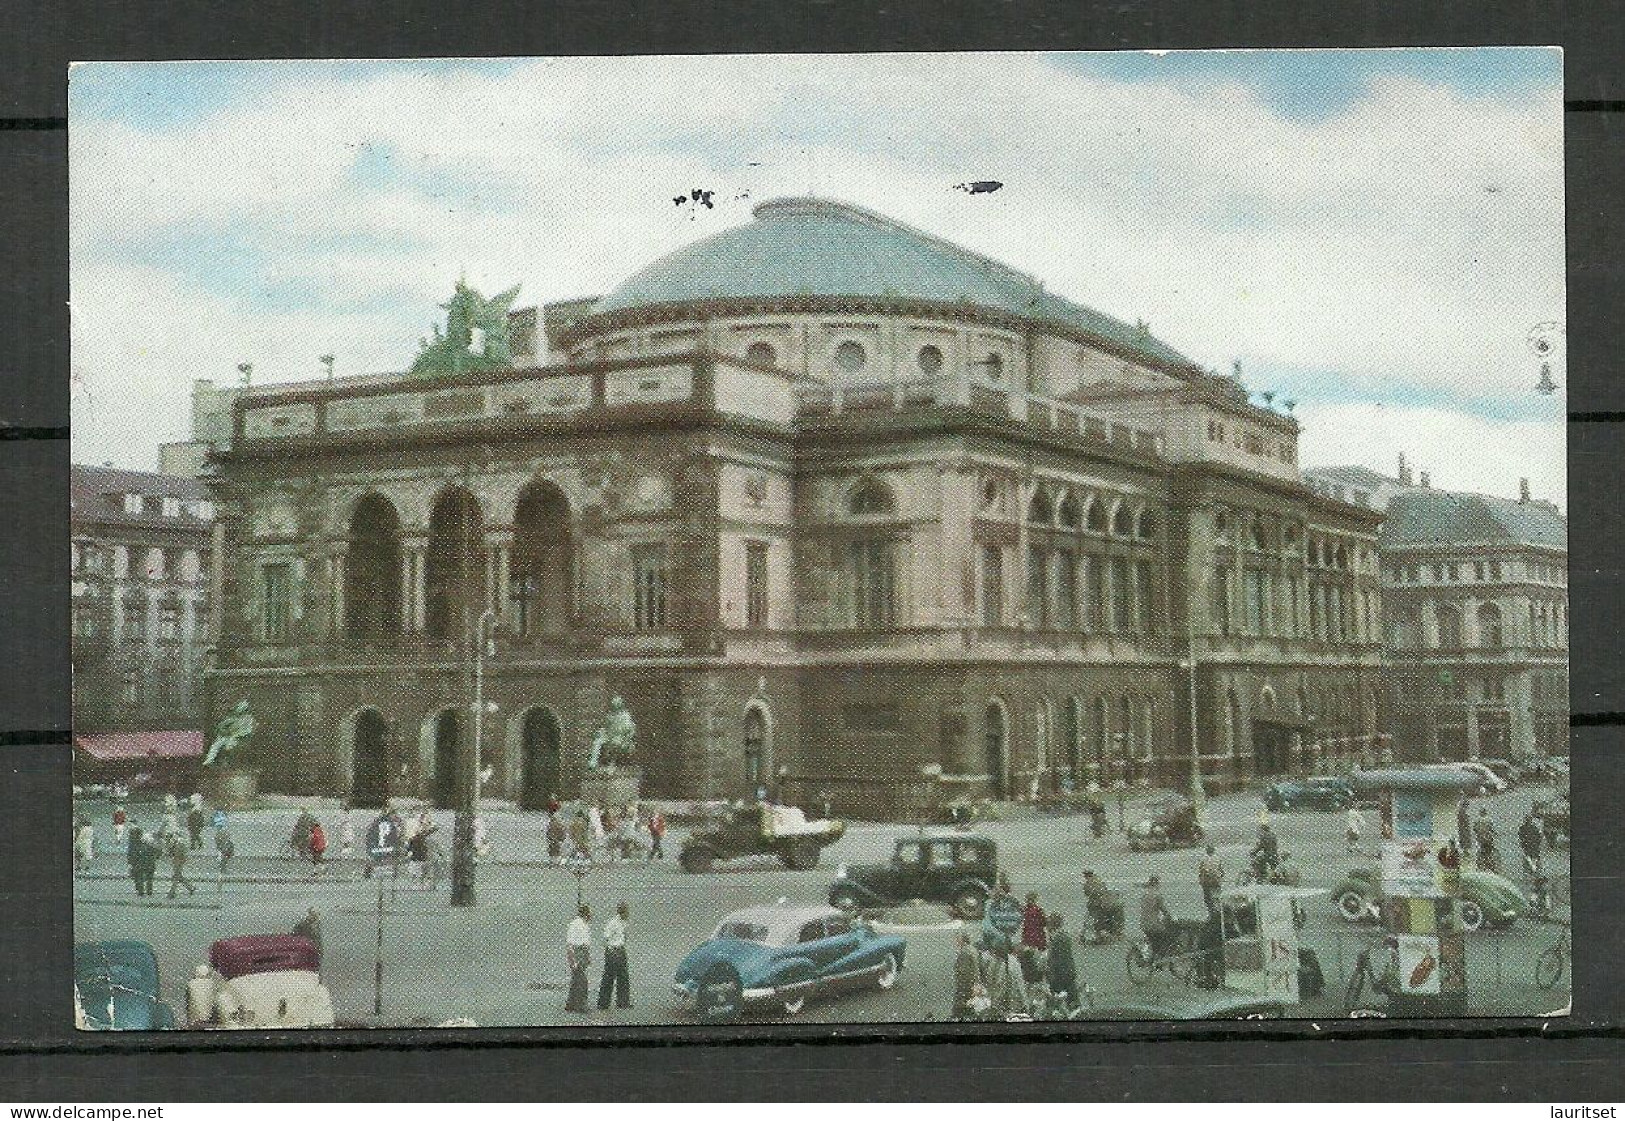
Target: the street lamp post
(468, 804)
(1198, 791)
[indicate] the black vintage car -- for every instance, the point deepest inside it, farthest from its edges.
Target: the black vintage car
(1320, 792)
(959, 869)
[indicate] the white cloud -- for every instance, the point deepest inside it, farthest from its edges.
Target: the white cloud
(1409, 240)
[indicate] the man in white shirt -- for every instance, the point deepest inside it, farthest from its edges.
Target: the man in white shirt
(578, 953)
(1356, 825)
(615, 979)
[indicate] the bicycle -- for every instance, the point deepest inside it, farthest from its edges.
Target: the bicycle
(1381, 984)
(1553, 960)
(1179, 955)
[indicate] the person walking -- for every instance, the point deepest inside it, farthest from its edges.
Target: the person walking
(556, 834)
(136, 852)
(1034, 937)
(318, 848)
(616, 981)
(657, 834)
(1353, 827)
(224, 847)
(595, 825)
(84, 845)
(1060, 967)
(580, 835)
(1210, 875)
(578, 956)
(121, 823)
(967, 976)
(1155, 921)
(1005, 988)
(1489, 858)
(194, 823)
(177, 849)
(1532, 840)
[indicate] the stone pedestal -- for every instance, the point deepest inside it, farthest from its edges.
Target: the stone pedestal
(231, 788)
(610, 787)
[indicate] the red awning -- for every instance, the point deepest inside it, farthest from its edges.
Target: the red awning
(116, 747)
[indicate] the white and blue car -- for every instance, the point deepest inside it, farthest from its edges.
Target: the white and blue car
(780, 957)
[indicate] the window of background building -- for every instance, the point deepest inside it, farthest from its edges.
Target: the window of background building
(874, 584)
(1142, 596)
(1066, 590)
(169, 624)
(1122, 596)
(1094, 593)
(992, 586)
(1219, 599)
(756, 584)
(121, 562)
(84, 624)
(993, 366)
(94, 559)
(1037, 588)
(172, 507)
(130, 691)
(133, 504)
(650, 577)
(276, 601)
(930, 360)
(1495, 570)
(1257, 614)
(850, 357)
(153, 565)
(135, 626)
(762, 354)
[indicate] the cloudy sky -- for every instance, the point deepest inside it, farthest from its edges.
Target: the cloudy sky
(1373, 234)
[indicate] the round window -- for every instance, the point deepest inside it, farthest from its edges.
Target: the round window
(762, 354)
(930, 359)
(850, 357)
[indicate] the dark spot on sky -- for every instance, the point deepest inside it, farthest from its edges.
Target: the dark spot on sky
(698, 197)
(979, 186)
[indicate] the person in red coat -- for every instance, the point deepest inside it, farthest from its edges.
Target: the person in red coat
(1034, 938)
(318, 845)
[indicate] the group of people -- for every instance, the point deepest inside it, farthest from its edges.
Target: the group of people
(1029, 974)
(616, 982)
(630, 832)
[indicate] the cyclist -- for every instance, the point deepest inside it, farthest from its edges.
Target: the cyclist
(1155, 921)
(1266, 853)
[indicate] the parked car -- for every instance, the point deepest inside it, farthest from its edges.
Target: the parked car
(261, 981)
(782, 956)
(115, 988)
(959, 869)
(1320, 792)
(1505, 770)
(1487, 898)
(1170, 823)
(1488, 781)
(761, 828)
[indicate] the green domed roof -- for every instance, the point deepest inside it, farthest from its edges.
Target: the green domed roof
(813, 247)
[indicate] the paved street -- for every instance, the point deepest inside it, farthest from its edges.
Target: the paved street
(501, 962)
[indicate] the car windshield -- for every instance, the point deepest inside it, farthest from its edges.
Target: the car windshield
(744, 931)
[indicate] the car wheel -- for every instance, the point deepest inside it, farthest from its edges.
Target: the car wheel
(845, 900)
(969, 903)
(888, 972)
(1353, 906)
(1472, 915)
(696, 859)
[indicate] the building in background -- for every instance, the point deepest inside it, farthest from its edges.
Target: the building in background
(141, 557)
(1475, 618)
(839, 508)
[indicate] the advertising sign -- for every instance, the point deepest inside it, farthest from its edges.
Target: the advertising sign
(383, 838)
(1280, 936)
(1413, 814)
(1419, 970)
(1408, 867)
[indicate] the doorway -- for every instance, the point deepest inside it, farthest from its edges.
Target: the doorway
(539, 749)
(447, 757)
(996, 751)
(369, 784)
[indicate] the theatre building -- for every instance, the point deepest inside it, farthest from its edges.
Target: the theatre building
(839, 508)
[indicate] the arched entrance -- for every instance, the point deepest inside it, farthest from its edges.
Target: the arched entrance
(369, 781)
(454, 576)
(539, 751)
(539, 582)
(758, 763)
(996, 747)
(447, 758)
(372, 580)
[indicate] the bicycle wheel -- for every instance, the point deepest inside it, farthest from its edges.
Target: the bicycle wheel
(1356, 987)
(1140, 964)
(1549, 966)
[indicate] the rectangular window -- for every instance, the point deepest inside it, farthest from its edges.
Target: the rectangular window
(650, 576)
(172, 507)
(1122, 596)
(1292, 626)
(756, 584)
(1219, 599)
(135, 627)
(276, 601)
(1037, 588)
(1142, 596)
(1478, 570)
(992, 586)
(1094, 607)
(1066, 590)
(874, 584)
(169, 624)
(1256, 614)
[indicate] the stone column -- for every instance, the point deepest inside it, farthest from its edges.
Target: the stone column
(335, 587)
(498, 559)
(413, 569)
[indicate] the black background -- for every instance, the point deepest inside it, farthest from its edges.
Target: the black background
(43, 1060)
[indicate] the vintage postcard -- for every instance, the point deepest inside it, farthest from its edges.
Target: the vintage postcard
(838, 538)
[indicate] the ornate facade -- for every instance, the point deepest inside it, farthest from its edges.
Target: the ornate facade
(838, 508)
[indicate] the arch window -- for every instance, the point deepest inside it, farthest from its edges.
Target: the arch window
(851, 357)
(1096, 520)
(1449, 628)
(372, 582)
(454, 569)
(1040, 509)
(1067, 513)
(1146, 527)
(755, 744)
(539, 577)
(929, 359)
(1123, 522)
(870, 497)
(762, 354)
(1489, 625)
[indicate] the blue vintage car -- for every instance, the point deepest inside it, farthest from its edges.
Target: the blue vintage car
(783, 956)
(116, 987)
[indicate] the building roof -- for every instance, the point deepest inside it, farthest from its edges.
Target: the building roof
(816, 247)
(1419, 517)
(97, 495)
(1353, 475)
(112, 747)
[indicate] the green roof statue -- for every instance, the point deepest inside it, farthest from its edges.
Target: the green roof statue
(235, 727)
(616, 738)
(475, 339)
